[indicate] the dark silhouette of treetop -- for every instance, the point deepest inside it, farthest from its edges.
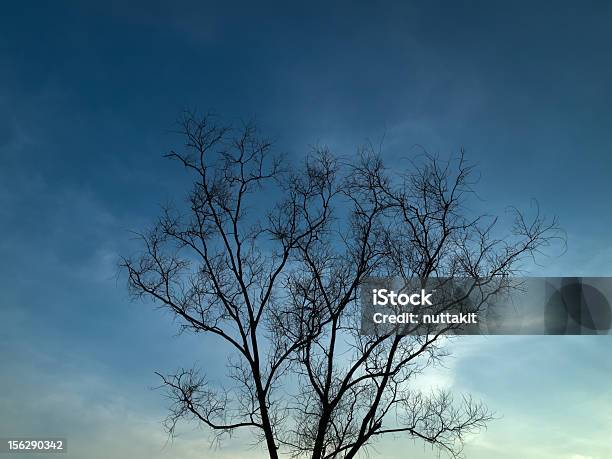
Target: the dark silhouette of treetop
(269, 256)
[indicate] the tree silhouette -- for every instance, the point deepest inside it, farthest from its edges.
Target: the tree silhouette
(270, 258)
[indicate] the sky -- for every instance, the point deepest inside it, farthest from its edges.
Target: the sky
(89, 94)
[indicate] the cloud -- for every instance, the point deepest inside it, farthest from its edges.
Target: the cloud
(101, 415)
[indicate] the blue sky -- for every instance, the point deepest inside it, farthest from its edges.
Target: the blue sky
(89, 94)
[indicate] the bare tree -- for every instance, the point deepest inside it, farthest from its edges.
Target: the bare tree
(270, 260)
